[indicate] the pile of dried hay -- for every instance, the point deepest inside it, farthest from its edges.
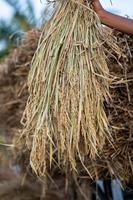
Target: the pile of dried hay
(64, 121)
(117, 160)
(13, 82)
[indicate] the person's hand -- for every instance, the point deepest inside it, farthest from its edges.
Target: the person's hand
(98, 7)
(119, 23)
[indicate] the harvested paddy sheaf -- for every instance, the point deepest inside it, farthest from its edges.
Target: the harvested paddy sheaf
(65, 121)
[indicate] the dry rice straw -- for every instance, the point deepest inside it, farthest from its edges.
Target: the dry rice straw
(64, 119)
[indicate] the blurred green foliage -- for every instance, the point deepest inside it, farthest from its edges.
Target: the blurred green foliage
(21, 21)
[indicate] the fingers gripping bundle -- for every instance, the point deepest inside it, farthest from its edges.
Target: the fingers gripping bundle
(64, 119)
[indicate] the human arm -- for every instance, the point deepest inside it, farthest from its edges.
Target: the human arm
(113, 21)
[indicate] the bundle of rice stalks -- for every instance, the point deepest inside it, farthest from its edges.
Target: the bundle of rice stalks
(65, 120)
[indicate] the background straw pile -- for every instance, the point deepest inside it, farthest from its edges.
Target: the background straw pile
(65, 120)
